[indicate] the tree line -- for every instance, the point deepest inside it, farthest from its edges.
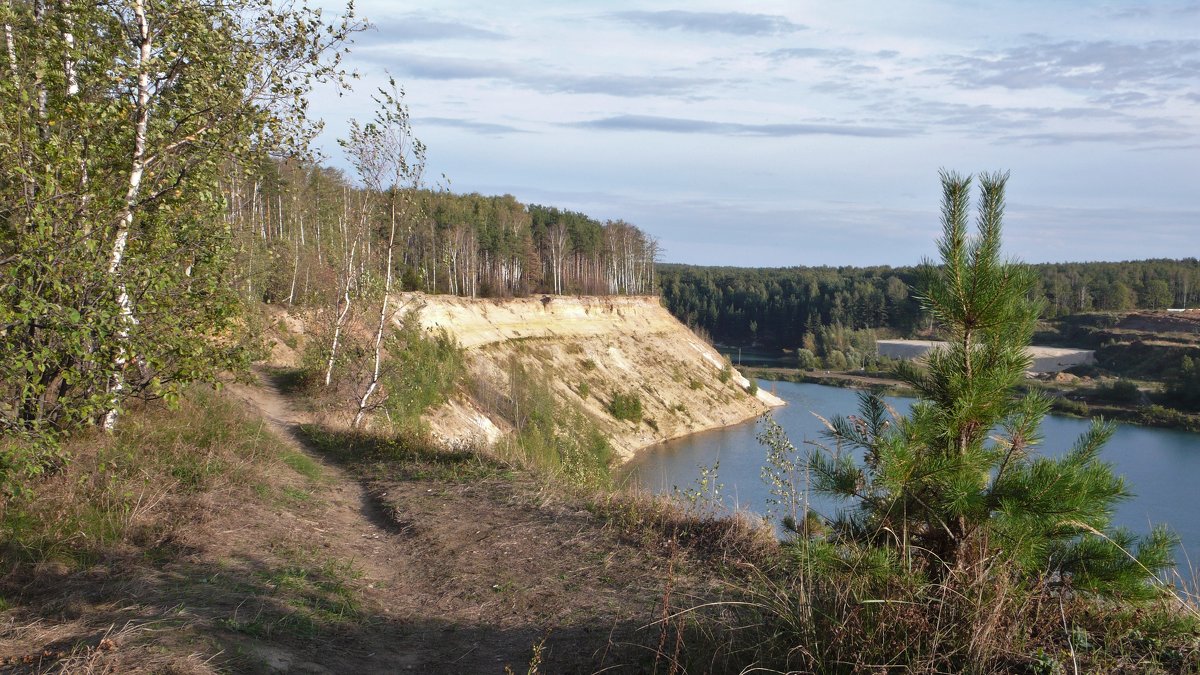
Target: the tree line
(462, 244)
(785, 307)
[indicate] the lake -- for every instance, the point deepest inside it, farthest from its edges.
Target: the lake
(1161, 466)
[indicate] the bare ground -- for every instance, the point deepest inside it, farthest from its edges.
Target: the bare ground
(447, 564)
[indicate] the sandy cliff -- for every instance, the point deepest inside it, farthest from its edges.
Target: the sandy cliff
(610, 344)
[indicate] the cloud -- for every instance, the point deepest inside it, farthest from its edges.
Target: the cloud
(808, 53)
(426, 68)
(435, 68)
(846, 61)
(679, 125)
(1075, 65)
(417, 28)
(1125, 99)
(733, 23)
(1105, 137)
(487, 128)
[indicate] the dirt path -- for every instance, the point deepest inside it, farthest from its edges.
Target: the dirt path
(330, 556)
(464, 568)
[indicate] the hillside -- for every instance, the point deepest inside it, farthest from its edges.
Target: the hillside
(589, 349)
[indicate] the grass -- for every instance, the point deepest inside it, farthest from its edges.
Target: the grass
(135, 485)
(377, 456)
(301, 464)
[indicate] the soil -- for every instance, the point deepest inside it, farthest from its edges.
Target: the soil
(613, 345)
(467, 569)
(1162, 322)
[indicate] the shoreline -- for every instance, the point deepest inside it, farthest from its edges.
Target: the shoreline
(1156, 416)
(768, 400)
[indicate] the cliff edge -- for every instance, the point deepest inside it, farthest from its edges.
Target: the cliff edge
(589, 350)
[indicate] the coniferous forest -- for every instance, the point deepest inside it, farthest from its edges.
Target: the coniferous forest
(785, 307)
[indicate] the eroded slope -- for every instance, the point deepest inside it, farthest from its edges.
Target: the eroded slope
(590, 349)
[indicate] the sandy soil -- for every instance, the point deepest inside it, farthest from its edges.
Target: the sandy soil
(610, 344)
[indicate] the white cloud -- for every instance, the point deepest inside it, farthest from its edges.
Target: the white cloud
(821, 125)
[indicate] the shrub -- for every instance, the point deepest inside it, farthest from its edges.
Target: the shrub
(584, 390)
(966, 545)
(805, 359)
(626, 406)
(725, 374)
(423, 370)
(1121, 391)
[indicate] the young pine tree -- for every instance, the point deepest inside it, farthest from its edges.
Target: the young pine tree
(954, 490)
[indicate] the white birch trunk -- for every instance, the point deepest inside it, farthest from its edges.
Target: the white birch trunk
(11, 44)
(121, 240)
(343, 313)
(69, 58)
(383, 306)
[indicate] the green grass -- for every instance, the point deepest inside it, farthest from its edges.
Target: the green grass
(404, 457)
(134, 485)
(301, 464)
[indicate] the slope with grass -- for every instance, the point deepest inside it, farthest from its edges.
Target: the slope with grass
(600, 355)
(236, 535)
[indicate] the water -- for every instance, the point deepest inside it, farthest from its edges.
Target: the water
(1161, 466)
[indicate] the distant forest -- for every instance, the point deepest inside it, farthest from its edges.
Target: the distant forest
(791, 307)
(308, 222)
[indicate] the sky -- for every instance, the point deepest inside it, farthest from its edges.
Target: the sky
(773, 133)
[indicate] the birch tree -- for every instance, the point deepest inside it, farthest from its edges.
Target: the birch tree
(390, 162)
(116, 120)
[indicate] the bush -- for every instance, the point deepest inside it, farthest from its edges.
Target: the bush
(423, 370)
(135, 485)
(725, 374)
(1070, 407)
(551, 435)
(626, 407)
(957, 548)
(1121, 391)
(805, 359)
(584, 390)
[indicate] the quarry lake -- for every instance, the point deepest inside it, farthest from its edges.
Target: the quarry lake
(1161, 466)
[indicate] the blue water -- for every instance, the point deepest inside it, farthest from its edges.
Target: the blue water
(1161, 466)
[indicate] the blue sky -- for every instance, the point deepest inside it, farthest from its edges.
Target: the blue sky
(808, 133)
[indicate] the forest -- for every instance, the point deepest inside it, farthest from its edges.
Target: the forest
(779, 308)
(309, 216)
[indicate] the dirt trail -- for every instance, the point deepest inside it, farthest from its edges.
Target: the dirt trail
(461, 574)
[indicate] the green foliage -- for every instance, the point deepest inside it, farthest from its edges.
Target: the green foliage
(114, 246)
(423, 370)
(584, 390)
(1183, 389)
(704, 498)
(1122, 391)
(725, 374)
(552, 435)
(626, 406)
(960, 549)
(805, 359)
(789, 306)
